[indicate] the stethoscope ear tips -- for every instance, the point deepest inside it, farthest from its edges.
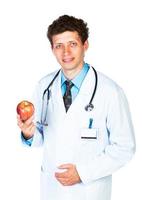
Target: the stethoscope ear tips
(89, 107)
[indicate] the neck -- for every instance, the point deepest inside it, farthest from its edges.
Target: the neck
(71, 73)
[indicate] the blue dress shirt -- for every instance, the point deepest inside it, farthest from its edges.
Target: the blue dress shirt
(77, 81)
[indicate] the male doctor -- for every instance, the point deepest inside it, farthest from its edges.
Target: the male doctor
(82, 147)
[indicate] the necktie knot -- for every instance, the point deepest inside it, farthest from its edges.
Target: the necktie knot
(69, 85)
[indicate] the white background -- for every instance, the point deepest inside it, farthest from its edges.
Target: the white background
(25, 56)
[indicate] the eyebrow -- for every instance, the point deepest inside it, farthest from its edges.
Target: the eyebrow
(67, 42)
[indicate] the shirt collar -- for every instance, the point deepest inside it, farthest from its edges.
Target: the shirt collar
(77, 81)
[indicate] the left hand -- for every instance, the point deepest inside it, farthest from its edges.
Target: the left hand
(68, 177)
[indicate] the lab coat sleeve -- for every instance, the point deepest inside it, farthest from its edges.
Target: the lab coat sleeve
(121, 145)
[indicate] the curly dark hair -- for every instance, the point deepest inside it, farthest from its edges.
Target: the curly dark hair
(68, 23)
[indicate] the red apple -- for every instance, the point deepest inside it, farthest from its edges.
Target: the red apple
(25, 109)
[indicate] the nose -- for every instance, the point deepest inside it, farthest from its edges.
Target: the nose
(66, 49)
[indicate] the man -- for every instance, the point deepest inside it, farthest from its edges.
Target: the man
(83, 146)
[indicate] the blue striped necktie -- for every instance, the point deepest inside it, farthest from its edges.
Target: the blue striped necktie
(67, 96)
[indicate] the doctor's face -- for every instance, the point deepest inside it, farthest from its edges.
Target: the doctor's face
(69, 51)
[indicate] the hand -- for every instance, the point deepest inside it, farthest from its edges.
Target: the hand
(68, 177)
(27, 127)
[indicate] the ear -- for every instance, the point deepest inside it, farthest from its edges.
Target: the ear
(51, 46)
(86, 45)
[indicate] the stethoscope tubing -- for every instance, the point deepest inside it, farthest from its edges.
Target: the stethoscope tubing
(95, 88)
(50, 84)
(88, 107)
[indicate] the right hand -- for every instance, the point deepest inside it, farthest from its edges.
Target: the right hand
(27, 127)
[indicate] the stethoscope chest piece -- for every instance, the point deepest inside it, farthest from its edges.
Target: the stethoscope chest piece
(89, 107)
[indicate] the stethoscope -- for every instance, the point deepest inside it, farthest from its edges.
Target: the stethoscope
(47, 93)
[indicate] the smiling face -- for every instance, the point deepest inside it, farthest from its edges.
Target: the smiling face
(69, 52)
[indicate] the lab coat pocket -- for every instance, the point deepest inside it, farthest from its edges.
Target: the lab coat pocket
(89, 134)
(89, 141)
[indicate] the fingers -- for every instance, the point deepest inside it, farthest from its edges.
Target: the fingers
(68, 177)
(65, 181)
(61, 174)
(27, 127)
(63, 178)
(28, 121)
(65, 173)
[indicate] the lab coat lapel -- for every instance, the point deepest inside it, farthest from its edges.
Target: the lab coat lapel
(59, 108)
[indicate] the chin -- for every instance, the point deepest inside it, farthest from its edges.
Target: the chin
(69, 65)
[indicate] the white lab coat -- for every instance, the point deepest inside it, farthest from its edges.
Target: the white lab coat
(95, 159)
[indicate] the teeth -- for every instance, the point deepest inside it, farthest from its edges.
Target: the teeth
(67, 59)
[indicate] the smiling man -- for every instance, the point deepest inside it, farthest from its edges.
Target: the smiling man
(83, 145)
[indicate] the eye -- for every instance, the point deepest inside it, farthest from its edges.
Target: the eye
(73, 44)
(58, 46)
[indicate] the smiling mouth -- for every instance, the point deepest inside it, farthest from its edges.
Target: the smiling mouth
(68, 60)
